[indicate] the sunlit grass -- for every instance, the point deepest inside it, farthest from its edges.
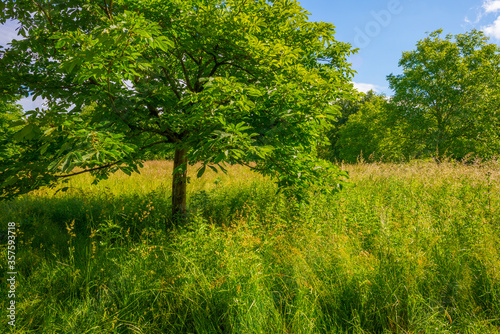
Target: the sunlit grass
(407, 249)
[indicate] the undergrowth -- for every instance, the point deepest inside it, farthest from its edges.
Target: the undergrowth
(407, 249)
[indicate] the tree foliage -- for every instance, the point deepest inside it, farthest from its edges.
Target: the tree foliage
(369, 133)
(449, 95)
(349, 108)
(215, 81)
(368, 130)
(10, 115)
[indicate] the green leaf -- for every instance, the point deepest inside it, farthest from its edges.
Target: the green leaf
(201, 171)
(220, 157)
(10, 181)
(44, 148)
(26, 133)
(17, 123)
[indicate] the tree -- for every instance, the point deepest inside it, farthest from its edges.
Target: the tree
(371, 132)
(216, 81)
(449, 95)
(348, 107)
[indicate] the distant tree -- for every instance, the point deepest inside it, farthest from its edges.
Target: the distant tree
(215, 81)
(449, 95)
(371, 132)
(348, 107)
(364, 128)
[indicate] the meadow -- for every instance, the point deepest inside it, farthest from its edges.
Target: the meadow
(407, 248)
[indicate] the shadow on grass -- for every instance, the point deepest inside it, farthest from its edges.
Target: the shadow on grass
(51, 220)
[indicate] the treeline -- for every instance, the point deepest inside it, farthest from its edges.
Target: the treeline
(446, 104)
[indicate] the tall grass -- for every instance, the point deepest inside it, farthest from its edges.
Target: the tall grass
(407, 249)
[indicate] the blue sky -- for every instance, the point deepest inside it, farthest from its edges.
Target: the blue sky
(381, 29)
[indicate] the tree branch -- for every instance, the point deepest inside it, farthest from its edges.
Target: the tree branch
(44, 13)
(169, 79)
(153, 144)
(186, 74)
(88, 170)
(110, 164)
(107, 8)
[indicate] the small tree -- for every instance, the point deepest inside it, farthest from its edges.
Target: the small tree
(247, 82)
(449, 94)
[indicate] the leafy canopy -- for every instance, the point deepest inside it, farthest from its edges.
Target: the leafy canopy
(371, 132)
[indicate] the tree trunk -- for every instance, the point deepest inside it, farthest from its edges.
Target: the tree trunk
(179, 182)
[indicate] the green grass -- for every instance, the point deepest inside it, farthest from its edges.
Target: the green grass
(408, 249)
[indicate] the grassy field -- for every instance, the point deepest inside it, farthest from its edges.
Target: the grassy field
(408, 248)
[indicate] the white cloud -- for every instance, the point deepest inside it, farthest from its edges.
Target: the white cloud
(491, 6)
(8, 32)
(28, 104)
(493, 30)
(366, 87)
(471, 22)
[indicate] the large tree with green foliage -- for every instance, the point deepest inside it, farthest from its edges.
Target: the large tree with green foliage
(216, 81)
(449, 95)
